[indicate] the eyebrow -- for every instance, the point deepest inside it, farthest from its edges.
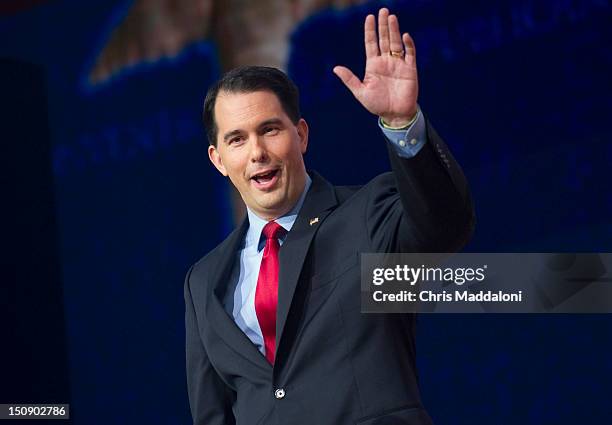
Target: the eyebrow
(230, 134)
(271, 121)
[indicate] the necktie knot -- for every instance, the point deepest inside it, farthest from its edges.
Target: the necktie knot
(273, 230)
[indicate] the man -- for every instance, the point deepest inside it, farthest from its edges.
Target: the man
(274, 329)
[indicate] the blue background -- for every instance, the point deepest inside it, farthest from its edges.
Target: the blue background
(521, 92)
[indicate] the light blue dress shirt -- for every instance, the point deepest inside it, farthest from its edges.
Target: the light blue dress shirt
(240, 296)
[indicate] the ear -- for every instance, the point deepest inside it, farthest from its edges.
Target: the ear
(215, 158)
(302, 129)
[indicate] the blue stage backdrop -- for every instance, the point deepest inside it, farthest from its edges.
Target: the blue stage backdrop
(521, 92)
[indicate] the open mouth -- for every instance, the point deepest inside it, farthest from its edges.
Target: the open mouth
(265, 179)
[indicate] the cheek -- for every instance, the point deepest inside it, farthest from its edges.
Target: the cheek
(292, 152)
(296, 155)
(234, 165)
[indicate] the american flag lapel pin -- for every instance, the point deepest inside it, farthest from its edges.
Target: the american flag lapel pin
(314, 220)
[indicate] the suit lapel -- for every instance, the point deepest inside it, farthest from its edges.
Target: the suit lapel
(319, 202)
(221, 321)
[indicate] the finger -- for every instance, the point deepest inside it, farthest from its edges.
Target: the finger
(383, 30)
(349, 79)
(410, 48)
(369, 30)
(395, 39)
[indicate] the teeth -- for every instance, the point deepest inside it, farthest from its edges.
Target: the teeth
(264, 177)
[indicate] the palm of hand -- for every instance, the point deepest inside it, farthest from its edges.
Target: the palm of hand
(389, 85)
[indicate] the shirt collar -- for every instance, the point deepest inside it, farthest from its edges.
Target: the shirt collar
(256, 223)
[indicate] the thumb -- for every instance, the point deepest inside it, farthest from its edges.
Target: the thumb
(349, 79)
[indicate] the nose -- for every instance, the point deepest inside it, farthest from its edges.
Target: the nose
(258, 150)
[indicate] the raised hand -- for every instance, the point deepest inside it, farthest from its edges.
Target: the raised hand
(390, 85)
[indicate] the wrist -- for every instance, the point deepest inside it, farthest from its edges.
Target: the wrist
(398, 123)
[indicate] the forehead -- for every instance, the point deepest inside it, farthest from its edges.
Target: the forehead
(239, 110)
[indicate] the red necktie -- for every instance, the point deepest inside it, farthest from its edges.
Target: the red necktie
(266, 294)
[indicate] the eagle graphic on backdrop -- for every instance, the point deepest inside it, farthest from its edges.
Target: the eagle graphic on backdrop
(245, 33)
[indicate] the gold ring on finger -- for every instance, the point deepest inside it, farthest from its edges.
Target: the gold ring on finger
(399, 54)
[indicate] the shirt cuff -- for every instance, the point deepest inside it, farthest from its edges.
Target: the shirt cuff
(407, 142)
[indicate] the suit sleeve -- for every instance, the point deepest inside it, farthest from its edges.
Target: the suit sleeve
(210, 399)
(424, 206)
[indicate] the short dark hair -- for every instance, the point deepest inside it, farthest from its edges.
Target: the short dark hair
(248, 79)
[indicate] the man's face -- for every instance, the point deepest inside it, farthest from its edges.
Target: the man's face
(260, 150)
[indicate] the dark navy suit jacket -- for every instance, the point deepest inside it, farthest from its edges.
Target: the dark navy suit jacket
(334, 365)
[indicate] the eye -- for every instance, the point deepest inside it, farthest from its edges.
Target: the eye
(235, 140)
(271, 131)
